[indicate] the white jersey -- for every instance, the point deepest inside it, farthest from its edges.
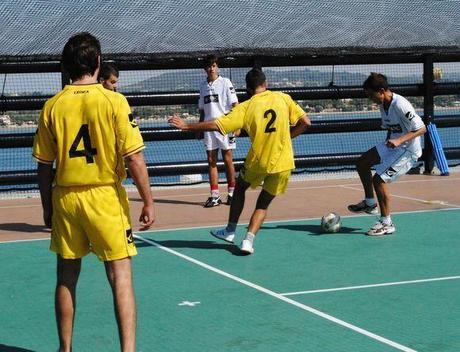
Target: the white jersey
(400, 119)
(216, 98)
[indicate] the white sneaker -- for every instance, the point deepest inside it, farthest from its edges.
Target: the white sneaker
(380, 229)
(246, 247)
(223, 234)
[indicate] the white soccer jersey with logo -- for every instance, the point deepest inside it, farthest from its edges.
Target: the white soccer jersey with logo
(216, 98)
(400, 119)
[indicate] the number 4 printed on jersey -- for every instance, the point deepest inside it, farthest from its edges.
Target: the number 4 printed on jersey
(88, 151)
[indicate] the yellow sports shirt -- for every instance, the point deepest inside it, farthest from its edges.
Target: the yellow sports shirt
(266, 117)
(87, 130)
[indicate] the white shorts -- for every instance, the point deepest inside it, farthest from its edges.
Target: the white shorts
(394, 162)
(215, 140)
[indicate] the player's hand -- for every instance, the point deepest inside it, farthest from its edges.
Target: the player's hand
(237, 133)
(393, 143)
(177, 122)
(147, 217)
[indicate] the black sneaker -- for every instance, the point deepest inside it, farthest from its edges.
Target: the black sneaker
(362, 207)
(212, 202)
(229, 200)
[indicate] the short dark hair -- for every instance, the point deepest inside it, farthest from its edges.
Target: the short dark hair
(375, 82)
(210, 60)
(107, 70)
(254, 78)
(80, 55)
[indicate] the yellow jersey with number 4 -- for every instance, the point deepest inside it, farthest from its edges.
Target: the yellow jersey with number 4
(267, 118)
(87, 130)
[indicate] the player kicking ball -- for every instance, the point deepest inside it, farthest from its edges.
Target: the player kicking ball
(390, 159)
(271, 119)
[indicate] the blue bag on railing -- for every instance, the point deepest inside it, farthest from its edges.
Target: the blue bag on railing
(437, 149)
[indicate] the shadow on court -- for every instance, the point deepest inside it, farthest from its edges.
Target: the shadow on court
(316, 230)
(233, 249)
(5, 348)
(23, 227)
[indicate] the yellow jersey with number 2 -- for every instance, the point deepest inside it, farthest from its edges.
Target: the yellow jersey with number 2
(267, 118)
(87, 130)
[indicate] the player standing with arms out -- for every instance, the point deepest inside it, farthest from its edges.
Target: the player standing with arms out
(217, 97)
(392, 158)
(90, 133)
(108, 76)
(271, 120)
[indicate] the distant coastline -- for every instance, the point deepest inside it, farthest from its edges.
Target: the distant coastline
(9, 125)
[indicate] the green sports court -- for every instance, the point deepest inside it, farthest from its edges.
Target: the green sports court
(302, 290)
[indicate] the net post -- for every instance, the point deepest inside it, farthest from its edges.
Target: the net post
(257, 63)
(428, 109)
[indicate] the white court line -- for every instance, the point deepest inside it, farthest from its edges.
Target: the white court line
(426, 201)
(21, 206)
(370, 286)
(265, 222)
(28, 240)
(294, 220)
(305, 187)
(174, 196)
(280, 297)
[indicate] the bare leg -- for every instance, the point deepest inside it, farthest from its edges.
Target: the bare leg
(212, 168)
(119, 274)
(258, 216)
(68, 271)
(239, 197)
(227, 155)
(383, 196)
(363, 166)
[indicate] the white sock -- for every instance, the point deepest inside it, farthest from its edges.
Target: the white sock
(386, 220)
(250, 237)
(370, 201)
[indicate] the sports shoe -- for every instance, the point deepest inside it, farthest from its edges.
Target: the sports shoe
(223, 234)
(229, 200)
(380, 229)
(246, 247)
(362, 207)
(212, 202)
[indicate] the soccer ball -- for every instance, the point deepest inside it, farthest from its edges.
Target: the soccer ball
(331, 222)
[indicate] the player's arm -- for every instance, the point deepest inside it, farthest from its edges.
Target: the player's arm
(301, 126)
(130, 145)
(45, 181)
(238, 131)
(138, 171)
(177, 122)
(396, 142)
(413, 123)
(44, 151)
(199, 135)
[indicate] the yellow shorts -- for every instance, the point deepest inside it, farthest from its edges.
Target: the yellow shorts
(272, 183)
(91, 219)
